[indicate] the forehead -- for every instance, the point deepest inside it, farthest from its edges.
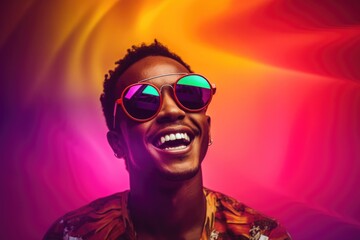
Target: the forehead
(149, 67)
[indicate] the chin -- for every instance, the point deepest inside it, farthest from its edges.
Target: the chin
(180, 175)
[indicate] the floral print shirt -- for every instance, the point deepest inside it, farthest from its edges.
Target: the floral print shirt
(108, 218)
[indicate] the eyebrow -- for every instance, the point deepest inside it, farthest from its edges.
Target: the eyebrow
(163, 75)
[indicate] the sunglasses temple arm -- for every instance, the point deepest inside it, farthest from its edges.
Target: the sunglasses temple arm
(114, 115)
(118, 101)
(213, 86)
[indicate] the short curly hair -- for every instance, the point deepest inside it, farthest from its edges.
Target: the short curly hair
(134, 54)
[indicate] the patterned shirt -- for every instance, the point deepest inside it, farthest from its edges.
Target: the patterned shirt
(108, 218)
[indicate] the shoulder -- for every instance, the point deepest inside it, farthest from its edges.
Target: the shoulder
(235, 219)
(104, 216)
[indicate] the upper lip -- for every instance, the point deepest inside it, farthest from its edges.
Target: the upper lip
(172, 130)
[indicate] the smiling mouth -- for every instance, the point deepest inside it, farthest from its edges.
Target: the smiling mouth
(173, 141)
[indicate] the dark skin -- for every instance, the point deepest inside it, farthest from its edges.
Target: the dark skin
(166, 198)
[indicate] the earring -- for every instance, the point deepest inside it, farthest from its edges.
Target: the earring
(117, 155)
(210, 142)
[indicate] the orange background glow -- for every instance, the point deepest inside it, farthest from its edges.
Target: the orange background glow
(285, 118)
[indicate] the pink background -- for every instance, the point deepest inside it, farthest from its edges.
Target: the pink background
(285, 118)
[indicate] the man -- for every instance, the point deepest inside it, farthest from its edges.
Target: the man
(155, 109)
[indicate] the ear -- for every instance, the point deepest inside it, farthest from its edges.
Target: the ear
(116, 143)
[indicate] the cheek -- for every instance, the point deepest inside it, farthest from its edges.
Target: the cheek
(133, 135)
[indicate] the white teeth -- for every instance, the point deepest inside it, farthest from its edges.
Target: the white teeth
(176, 148)
(172, 137)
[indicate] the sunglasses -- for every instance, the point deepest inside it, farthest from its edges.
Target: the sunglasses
(142, 101)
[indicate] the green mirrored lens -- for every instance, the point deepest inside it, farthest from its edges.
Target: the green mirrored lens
(141, 101)
(150, 90)
(194, 81)
(193, 92)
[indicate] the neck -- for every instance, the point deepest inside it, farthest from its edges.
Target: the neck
(168, 209)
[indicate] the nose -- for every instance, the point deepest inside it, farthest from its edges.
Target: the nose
(169, 111)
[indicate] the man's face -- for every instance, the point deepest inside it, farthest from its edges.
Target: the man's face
(146, 154)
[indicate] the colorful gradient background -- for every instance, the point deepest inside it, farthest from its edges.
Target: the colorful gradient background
(285, 118)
